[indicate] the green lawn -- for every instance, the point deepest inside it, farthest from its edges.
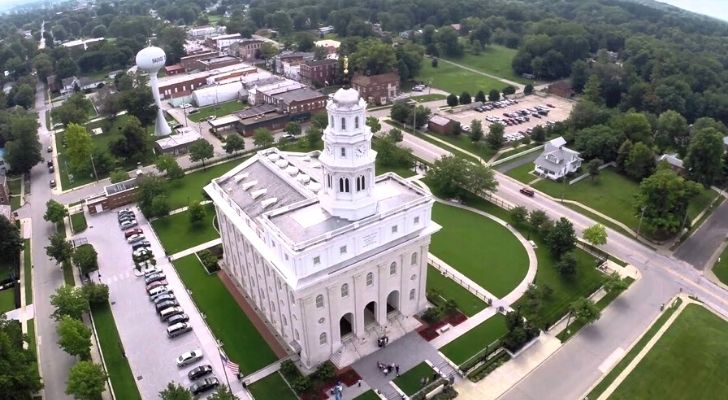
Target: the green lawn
(68, 277)
(14, 202)
(242, 342)
(122, 378)
(480, 248)
(78, 222)
(218, 110)
(27, 272)
(272, 387)
(721, 268)
(522, 173)
(467, 345)
(403, 172)
(449, 289)
(456, 80)
(7, 300)
(688, 362)
(463, 141)
(517, 150)
(14, 185)
(177, 233)
(31, 336)
(495, 60)
(409, 381)
(185, 190)
(428, 97)
(370, 395)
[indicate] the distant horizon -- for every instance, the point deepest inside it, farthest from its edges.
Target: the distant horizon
(711, 8)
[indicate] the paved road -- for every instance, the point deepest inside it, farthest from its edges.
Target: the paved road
(699, 248)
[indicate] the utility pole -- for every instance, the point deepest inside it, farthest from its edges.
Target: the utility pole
(93, 165)
(642, 214)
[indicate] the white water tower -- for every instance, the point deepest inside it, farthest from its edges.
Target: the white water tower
(151, 59)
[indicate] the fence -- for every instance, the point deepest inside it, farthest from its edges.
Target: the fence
(476, 291)
(480, 357)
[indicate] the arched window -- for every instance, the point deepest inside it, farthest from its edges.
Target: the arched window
(346, 185)
(343, 124)
(322, 338)
(358, 183)
(328, 180)
(320, 301)
(393, 268)
(341, 185)
(345, 290)
(413, 260)
(412, 294)
(370, 279)
(363, 183)
(356, 122)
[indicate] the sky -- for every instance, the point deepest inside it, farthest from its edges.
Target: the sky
(714, 8)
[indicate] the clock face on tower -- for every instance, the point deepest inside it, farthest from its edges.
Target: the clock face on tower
(360, 150)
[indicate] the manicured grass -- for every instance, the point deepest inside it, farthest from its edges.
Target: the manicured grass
(401, 171)
(31, 336)
(721, 268)
(68, 277)
(27, 272)
(700, 202)
(409, 381)
(463, 141)
(480, 248)
(522, 173)
(7, 300)
(475, 340)
(219, 110)
(467, 303)
(495, 60)
(78, 222)
(688, 361)
(272, 387)
(61, 227)
(120, 373)
(188, 189)
(242, 342)
(370, 395)
(627, 359)
(14, 185)
(428, 97)
(177, 233)
(517, 150)
(14, 202)
(456, 80)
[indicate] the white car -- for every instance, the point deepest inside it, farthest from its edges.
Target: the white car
(149, 269)
(135, 238)
(189, 358)
(158, 290)
(141, 252)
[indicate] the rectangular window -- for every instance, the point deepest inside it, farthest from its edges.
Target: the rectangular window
(317, 260)
(417, 220)
(342, 250)
(394, 229)
(343, 151)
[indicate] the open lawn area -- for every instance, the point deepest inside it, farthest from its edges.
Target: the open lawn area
(177, 233)
(463, 141)
(480, 248)
(721, 268)
(467, 303)
(14, 202)
(409, 381)
(456, 80)
(403, 172)
(7, 300)
(122, 378)
(217, 110)
(78, 222)
(517, 150)
(28, 272)
(493, 59)
(272, 387)
(187, 189)
(370, 395)
(14, 185)
(476, 339)
(688, 362)
(522, 173)
(428, 97)
(241, 341)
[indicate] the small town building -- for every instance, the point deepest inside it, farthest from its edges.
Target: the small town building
(202, 32)
(299, 101)
(331, 46)
(177, 143)
(319, 72)
(216, 94)
(174, 69)
(377, 89)
(114, 195)
(83, 44)
(189, 61)
(208, 64)
(222, 42)
(442, 125)
(288, 63)
(674, 161)
(246, 49)
(71, 84)
(557, 160)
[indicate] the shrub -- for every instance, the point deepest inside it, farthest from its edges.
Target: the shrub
(209, 261)
(301, 385)
(97, 294)
(325, 371)
(489, 366)
(431, 315)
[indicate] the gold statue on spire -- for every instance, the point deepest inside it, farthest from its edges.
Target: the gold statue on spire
(346, 65)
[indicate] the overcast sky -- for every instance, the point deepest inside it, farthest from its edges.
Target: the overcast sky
(714, 8)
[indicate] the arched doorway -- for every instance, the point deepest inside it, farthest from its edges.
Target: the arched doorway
(346, 325)
(370, 313)
(393, 301)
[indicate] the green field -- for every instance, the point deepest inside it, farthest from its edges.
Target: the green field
(272, 387)
(122, 378)
(78, 222)
(370, 395)
(467, 303)
(423, 98)
(188, 189)
(242, 342)
(217, 110)
(463, 141)
(517, 150)
(27, 272)
(495, 60)
(7, 300)
(409, 381)
(522, 173)
(480, 248)
(721, 268)
(14, 185)
(456, 80)
(688, 362)
(403, 172)
(14, 202)
(177, 233)
(476, 339)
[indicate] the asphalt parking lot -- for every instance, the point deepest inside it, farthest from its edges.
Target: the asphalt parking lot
(150, 352)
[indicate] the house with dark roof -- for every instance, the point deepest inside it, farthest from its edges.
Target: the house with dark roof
(377, 89)
(557, 160)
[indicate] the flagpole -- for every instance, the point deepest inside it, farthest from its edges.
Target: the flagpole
(224, 368)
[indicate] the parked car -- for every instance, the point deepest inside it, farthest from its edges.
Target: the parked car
(154, 278)
(52, 183)
(199, 372)
(149, 269)
(178, 329)
(51, 169)
(189, 357)
(155, 284)
(168, 295)
(49, 163)
(128, 224)
(135, 238)
(157, 289)
(166, 304)
(204, 385)
(144, 244)
(143, 252)
(49, 149)
(178, 318)
(168, 313)
(130, 232)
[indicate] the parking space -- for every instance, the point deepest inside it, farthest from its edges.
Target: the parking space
(559, 111)
(151, 354)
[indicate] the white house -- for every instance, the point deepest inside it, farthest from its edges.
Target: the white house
(557, 160)
(331, 255)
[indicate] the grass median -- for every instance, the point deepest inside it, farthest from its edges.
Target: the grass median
(476, 339)
(272, 387)
(411, 381)
(27, 272)
(78, 222)
(466, 302)
(177, 233)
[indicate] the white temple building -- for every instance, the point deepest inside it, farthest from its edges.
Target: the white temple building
(331, 255)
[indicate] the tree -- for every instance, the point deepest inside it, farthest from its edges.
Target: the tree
(70, 301)
(19, 369)
(662, 202)
(234, 143)
(593, 90)
(395, 134)
(223, 394)
(593, 167)
(493, 95)
(79, 147)
(584, 310)
(614, 283)
(196, 212)
(139, 102)
(160, 205)
(55, 211)
(595, 234)
(391, 155)
(567, 265)
(465, 98)
(86, 258)
(86, 381)
(455, 177)
(641, 162)
(24, 96)
(96, 293)
(135, 143)
(495, 137)
(23, 150)
(672, 132)
(59, 248)
(118, 175)
(434, 62)
(476, 130)
(372, 57)
(480, 96)
(622, 154)
(579, 75)
(452, 100)
(704, 159)
(538, 134)
(262, 137)
(528, 89)
(509, 90)
(635, 126)
(536, 219)
(169, 165)
(373, 124)
(149, 187)
(313, 137)
(519, 215)
(172, 40)
(267, 50)
(175, 391)
(293, 128)
(562, 238)
(448, 42)
(74, 337)
(201, 150)
(599, 141)
(74, 110)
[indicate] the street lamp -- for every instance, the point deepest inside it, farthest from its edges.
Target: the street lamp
(642, 214)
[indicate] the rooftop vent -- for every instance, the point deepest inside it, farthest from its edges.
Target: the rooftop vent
(292, 170)
(303, 178)
(257, 193)
(240, 177)
(248, 185)
(269, 202)
(273, 156)
(282, 163)
(314, 187)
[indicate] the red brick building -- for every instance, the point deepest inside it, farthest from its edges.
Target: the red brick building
(246, 49)
(188, 62)
(442, 125)
(377, 89)
(319, 72)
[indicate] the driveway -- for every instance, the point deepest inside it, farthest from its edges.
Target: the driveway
(150, 353)
(700, 247)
